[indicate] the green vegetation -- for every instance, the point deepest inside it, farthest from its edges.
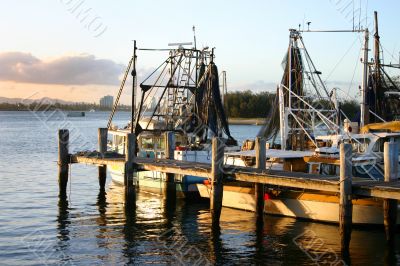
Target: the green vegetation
(350, 108)
(246, 104)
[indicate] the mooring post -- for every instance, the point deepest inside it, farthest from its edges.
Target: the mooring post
(170, 186)
(260, 148)
(102, 138)
(63, 160)
(390, 158)
(345, 203)
(130, 154)
(217, 164)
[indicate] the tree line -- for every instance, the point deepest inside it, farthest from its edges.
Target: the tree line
(246, 104)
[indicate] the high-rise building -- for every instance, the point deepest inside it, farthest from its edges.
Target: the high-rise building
(107, 102)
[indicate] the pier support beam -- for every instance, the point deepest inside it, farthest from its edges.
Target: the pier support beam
(217, 164)
(170, 186)
(63, 160)
(130, 154)
(260, 149)
(102, 169)
(345, 203)
(391, 151)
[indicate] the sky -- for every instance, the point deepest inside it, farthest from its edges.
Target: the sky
(77, 50)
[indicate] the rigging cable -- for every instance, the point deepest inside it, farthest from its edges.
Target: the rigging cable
(354, 73)
(119, 93)
(341, 59)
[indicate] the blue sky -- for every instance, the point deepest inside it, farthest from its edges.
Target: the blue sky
(250, 37)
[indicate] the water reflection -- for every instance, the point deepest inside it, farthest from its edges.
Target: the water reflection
(63, 235)
(162, 230)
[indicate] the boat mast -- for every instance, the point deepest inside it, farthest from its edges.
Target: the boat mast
(376, 50)
(224, 89)
(377, 62)
(282, 117)
(364, 119)
(290, 67)
(133, 106)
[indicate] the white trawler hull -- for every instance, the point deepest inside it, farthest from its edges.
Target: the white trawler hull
(155, 181)
(322, 207)
(312, 205)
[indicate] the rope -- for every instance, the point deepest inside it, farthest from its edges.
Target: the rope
(119, 93)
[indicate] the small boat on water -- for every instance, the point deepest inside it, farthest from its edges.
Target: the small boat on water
(75, 114)
(183, 93)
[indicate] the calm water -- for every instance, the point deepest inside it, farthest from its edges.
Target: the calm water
(36, 227)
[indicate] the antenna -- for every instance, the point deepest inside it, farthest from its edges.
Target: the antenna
(359, 16)
(308, 24)
(353, 14)
(366, 14)
(194, 37)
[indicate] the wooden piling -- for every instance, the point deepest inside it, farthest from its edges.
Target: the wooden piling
(217, 162)
(260, 149)
(345, 203)
(63, 160)
(102, 169)
(130, 155)
(170, 186)
(391, 151)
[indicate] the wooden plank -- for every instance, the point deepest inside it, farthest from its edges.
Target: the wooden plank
(391, 162)
(378, 189)
(102, 169)
(97, 160)
(129, 164)
(63, 160)
(345, 199)
(260, 148)
(283, 181)
(170, 186)
(377, 192)
(217, 189)
(130, 185)
(174, 169)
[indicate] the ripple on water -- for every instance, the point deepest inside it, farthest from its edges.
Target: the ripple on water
(37, 227)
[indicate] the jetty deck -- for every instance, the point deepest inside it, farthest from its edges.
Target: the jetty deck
(347, 186)
(360, 187)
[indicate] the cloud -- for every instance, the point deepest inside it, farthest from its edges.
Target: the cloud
(66, 70)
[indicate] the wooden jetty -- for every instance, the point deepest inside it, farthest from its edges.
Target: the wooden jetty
(218, 174)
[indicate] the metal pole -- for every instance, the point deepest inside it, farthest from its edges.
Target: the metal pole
(282, 117)
(364, 106)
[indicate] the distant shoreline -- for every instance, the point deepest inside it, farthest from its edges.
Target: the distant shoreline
(247, 121)
(231, 121)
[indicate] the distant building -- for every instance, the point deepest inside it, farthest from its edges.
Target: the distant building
(107, 102)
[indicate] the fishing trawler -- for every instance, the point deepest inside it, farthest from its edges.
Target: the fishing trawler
(180, 96)
(307, 122)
